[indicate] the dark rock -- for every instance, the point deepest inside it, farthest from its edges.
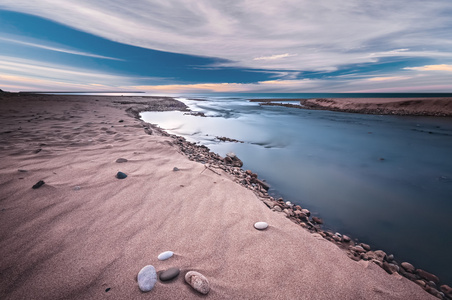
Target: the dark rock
(121, 160)
(390, 257)
(263, 184)
(317, 220)
(38, 184)
(175, 169)
(446, 290)
(120, 121)
(22, 171)
(408, 267)
(121, 175)
(427, 275)
(38, 150)
(169, 274)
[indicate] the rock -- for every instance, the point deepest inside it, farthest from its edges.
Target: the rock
(169, 274)
(346, 239)
(277, 208)
(38, 184)
(380, 255)
(147, 277)
(390, 268)
(358, 249)
(390, 257)
(420, 282)
(288, 212)
(121, 160)
(260, 225)
(446, 290)
(77, 188)
(165, 255)
(175, 169)
(121, 175)
(263, 184)
(120, 121)
(408, 267)
(317, 220)
(427, 275)
(365, 246)
(198, 282)
(22, 171)
(306, 212)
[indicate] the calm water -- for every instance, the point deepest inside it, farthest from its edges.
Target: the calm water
(386, 180)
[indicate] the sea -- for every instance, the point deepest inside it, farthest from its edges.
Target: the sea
(384, 180)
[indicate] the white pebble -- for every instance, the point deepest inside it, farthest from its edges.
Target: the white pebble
(165, 255)
(261, 225)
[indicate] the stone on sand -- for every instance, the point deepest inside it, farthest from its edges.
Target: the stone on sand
(121, 160)
(169, 274)
(198, 282)
(38, 184)
(165, 255)
(121, 175)
(260, 225)
(147, 277)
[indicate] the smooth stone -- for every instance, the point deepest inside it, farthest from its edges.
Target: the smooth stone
(147, 277)
(77, 188)
(260, 225)
(175, 169)
(408, 267)
(198, 282)
(428, 276)
(346, 239)
(121, 160)
(165, 255)
(38, 184)
(277, 208)
(169, 274)
(121, 175)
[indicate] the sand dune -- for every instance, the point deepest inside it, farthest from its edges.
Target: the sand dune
(86, 234)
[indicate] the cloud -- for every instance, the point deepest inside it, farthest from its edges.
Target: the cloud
(27, 74)
(56, 49)
(277, 56)
(389, 78)
(443, 67)
(325, 35)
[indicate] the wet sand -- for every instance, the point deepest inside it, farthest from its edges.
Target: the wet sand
(85, 234)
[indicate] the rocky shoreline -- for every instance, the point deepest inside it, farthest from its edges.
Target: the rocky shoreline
(436, 107)
(231, 164)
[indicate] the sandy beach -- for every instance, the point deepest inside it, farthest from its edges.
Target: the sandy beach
(86, 234)
(382, 106)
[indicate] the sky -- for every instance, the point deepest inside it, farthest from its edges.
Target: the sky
(203, 46)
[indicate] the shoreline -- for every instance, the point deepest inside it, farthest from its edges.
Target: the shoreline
(126, 135)
(437, 107)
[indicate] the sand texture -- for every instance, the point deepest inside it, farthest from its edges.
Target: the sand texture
(85, 234)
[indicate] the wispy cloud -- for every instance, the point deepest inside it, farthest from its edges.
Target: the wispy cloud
(325, 34)
(56, 49)
(272, 57)
(442, 67)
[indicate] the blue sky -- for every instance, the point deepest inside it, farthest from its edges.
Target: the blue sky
(199, 46)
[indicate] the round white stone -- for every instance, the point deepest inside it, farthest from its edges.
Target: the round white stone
(165, 255)
(147, 277)
(261, 225)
